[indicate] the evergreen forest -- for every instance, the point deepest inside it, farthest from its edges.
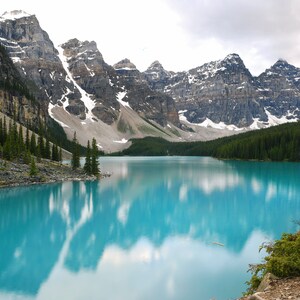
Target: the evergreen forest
(278, 143)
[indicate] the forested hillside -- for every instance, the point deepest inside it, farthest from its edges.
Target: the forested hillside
(277, 143)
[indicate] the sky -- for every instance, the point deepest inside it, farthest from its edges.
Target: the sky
(180, 34)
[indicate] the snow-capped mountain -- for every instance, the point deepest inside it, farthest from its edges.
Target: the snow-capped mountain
(224, 94)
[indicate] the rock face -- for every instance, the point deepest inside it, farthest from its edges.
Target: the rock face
(150, 104)
(35, 56)
(279, 90)
(225, 91)
(95, 79)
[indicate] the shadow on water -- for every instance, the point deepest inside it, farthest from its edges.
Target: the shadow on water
(155, 204)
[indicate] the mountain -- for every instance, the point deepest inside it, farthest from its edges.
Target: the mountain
(224, 92)
(80, 91)
(150, 104)
(279, 89)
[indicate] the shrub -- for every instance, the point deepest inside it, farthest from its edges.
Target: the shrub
(283, 260)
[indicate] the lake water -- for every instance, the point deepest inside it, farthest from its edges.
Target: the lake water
(158, 228)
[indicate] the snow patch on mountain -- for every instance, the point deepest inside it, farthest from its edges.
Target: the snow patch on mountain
(273, 120)
(221, 125)
(123, 141)
(50, 107)
(207, 123)
(14, 15)
(85, 97)
(120, 97)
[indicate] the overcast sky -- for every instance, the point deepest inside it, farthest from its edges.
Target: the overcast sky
(180, 34)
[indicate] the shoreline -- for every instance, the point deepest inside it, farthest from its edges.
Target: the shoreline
(16, 174)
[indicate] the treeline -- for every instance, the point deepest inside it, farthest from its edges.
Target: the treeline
(152, 146)
(13, 144)
(277, 143)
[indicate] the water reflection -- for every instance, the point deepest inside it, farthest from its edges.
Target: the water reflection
(154, 218)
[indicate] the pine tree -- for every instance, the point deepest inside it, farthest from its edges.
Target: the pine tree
(1, 132)
(87, 166)
(38, 154)
(60, 155)
(41, 146)
(27, 157)
(4, 130)
(21, 140)
(94, 154)
(14, 141)
(33, 148)
(75, 161)
(27, 140)
(33, 169)
(54, 154)
(7, 149)
(47, 153)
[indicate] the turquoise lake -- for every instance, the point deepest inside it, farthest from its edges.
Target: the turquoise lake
(158, 228)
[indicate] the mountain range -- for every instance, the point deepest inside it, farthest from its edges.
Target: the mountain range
(73, 85)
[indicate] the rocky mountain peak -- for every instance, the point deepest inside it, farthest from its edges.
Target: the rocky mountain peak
(282, 65)
(86, 49)
(156, 65)
(156, 73)
(124, 64)
(14, 15)
(282, 69)
(280, 77)
(233, 62)
(233, 58)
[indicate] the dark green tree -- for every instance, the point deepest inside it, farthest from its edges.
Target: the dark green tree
(4, 130)
(94, 157)
(60, 155)
(75, 160)
(1, 133)
(88, 163)
(7, 149)
(54, 153)
(33, 147)
(21, 140)
(41, 146)
(33, 169)
(47, 153)
(27, 139)
(27, 157)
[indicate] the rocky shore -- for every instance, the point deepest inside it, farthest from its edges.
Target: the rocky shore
(18, 174)
(272, 288)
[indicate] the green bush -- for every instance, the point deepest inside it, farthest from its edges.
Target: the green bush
(283, 260)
